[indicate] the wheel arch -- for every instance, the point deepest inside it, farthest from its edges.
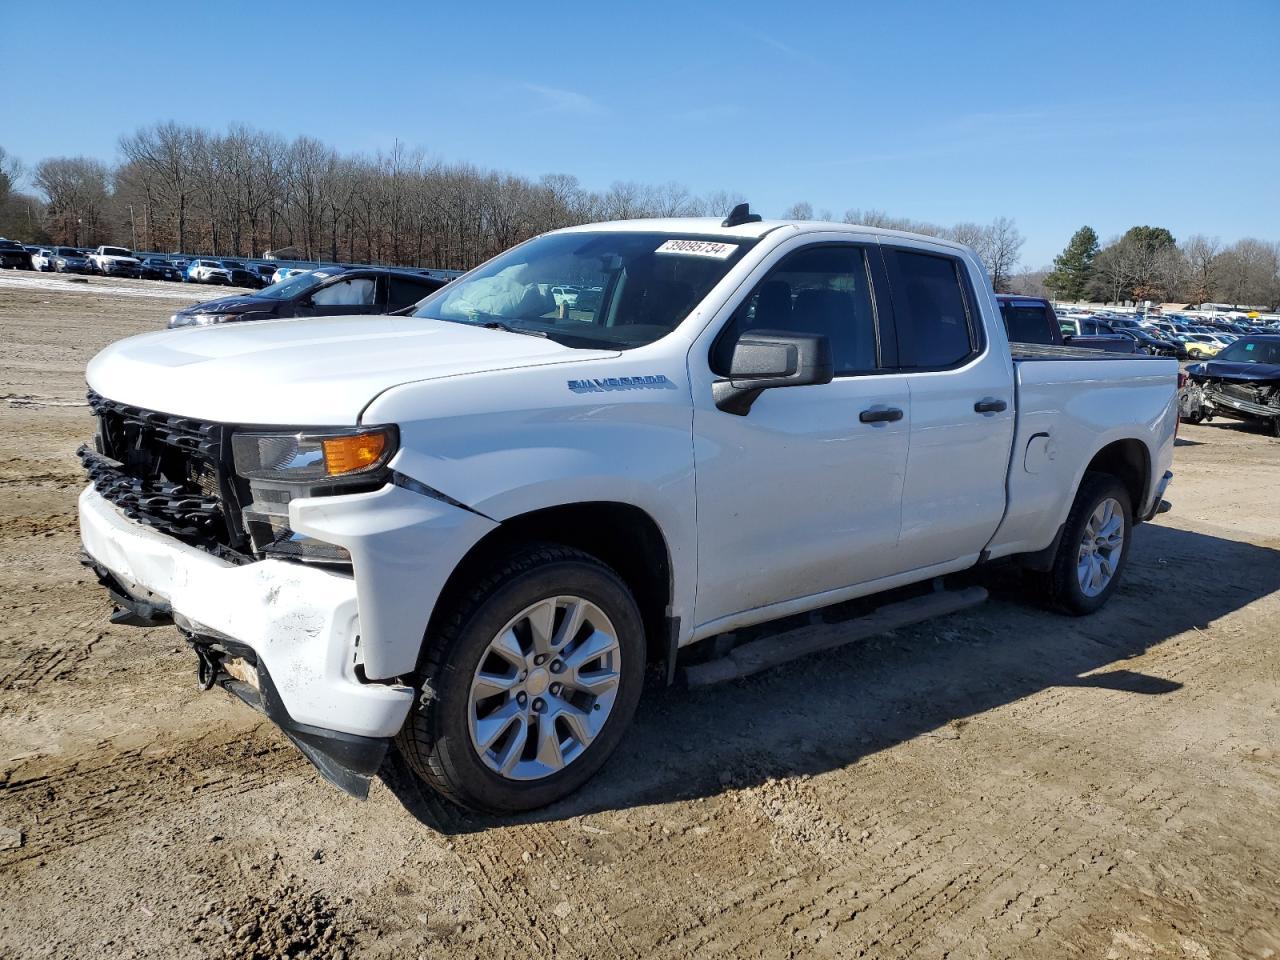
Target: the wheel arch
(1129, 461)
(621, 535)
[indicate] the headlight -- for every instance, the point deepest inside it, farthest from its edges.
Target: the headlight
(311, 457)
(281, 465)
(204, 319)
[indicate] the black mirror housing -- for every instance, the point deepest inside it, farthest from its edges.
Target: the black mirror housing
(765, 359)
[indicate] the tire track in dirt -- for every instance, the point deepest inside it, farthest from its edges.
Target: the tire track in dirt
(62, 805)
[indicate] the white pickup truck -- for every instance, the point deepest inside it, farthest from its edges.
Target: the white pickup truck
(467, 530)
(115, 261)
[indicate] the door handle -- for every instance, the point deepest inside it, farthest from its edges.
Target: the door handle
(880, 415)
(990, 405)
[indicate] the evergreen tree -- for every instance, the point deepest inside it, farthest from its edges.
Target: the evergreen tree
(1073, 267)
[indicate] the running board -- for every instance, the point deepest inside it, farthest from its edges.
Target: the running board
(771, 651)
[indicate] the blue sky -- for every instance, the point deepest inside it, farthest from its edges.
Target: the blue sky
(1110, 114)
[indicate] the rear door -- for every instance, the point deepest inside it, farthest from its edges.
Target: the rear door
(404, 291)
(961, 386)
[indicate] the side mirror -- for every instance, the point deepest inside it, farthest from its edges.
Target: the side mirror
(763, 359)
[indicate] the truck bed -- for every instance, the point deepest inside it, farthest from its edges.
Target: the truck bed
(1049, 351)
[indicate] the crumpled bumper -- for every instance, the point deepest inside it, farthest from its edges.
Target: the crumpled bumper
(302, 622)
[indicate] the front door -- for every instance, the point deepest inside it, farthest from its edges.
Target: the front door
(802, 495)
(344, 296)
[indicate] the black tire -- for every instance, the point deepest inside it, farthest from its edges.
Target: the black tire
(435, 740)
(1060, 587)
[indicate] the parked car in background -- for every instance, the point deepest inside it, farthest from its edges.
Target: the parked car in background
(266, 271)
(159, 268)
(330, 291)
(242, 275)
(14, 255)
(1148, 343)
(180, 262)
(564, 294)
(208, 271)
(70, 260)
(1200, 345)
(284, 273)
(42, 260)
(1243, 381)
(114, 261)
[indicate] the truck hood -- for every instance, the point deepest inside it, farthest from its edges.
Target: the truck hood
(1230, 370)
(311, 372)
(112, 258)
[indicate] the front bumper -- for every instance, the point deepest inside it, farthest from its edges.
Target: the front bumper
(1238, 408)
(301, 622)
(312, 638)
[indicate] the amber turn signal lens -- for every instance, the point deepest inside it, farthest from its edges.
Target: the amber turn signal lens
(349, 454)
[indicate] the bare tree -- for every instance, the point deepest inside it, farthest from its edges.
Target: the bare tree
(77, 189)
(1003, 245)
(799, 211)
(1201, 256)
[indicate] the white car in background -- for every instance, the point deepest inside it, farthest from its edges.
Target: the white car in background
(208, 271)
(284, 273)
(42, 260)
(564, 295)
(115, 261)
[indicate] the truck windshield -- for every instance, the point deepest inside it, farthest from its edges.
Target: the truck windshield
(608, 289)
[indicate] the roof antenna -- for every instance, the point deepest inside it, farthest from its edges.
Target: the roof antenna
(739, 215)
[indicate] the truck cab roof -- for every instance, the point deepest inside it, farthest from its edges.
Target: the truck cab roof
(713, 227)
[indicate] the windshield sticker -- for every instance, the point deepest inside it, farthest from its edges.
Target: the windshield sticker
(658, 382)
(699, 248)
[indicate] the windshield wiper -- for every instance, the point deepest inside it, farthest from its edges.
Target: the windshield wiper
(500, 325)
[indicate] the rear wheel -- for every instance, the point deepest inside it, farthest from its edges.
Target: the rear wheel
(529, 684)
(1094, 547)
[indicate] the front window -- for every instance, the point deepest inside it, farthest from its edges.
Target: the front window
(610, 289)
(351, 292)
(116, 252)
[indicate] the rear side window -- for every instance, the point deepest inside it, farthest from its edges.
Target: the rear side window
(1027, 324)
(824, 290)
(932, 310)
(405, 290)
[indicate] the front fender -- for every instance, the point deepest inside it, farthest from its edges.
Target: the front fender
(508, 443)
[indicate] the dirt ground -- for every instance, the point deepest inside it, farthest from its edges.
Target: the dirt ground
(1003, 783)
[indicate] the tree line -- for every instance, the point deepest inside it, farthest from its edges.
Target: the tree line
(1148, 263)
(240, 193)
(243, 192)
(184, 189)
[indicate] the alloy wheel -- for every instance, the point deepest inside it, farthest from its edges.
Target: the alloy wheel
(1100, 547)
(544, 688)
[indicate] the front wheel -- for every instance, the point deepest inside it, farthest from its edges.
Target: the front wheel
(529, 684)
(1094, 547)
